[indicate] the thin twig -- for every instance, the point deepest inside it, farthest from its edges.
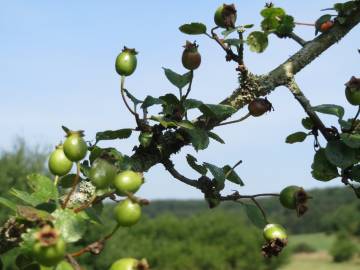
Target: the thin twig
(298, 39)
(74, 185)
(93, 201)
(305, 103)
(234, 121)
(229, 52)
(73, 262)
(122, 90)
(189, 87)
(260, 208)
(236, 196)
(169, 166)
(95, 247)
(56, 180)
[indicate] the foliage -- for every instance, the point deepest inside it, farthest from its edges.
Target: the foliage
(343, 248)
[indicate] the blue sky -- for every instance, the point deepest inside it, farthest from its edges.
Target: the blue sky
(57, 68)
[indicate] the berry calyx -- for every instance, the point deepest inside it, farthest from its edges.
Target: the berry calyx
(352, 91)
(294, 197)
(75, 147)
(102, 173)
(127, 213)
(130, 264)
(49, 248)
(58, 163)
(191, 58)
(225, 16)
(259, 106)
(126, 62)
(127, 182)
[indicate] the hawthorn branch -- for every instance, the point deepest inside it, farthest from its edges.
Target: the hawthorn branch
(305, 103)
(236, 196)
(253, 86)
(169, 166)
(298, 39)
(230, 55)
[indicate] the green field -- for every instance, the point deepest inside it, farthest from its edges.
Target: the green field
(319, 260)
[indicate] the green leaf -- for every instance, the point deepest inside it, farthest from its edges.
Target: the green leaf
(32, 214)
(322, 169)
(132, 98)
(150, 101)
(247, 26)
(185, 124)
(192, 161)
(163, 121)
(43, 187)
(258, 41)
(286, 26)
(340, 155)
(25, 197)
(232, 176)
(7, 203)
(296, 137)
(272, 12)
(217, 111)
(233, 42)
(191, 104)
(113, 134)
(355, 173)
(215, 137)
(91, 213)
(345, 125)
(193, 28)
(330, 109)
(199, 138)
(225, 33)
(170, 99)
(255, 216)
(218, 174)
(176, 79)
(72, 226)
(307, 123)
(351, 140)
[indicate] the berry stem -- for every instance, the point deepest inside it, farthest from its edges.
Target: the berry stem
(56, 180)
(74, 185)
(235, 121)
(95, 247)
(122, 90)
(354, 119)
(305, 24)
(189, 88)
(258, 205)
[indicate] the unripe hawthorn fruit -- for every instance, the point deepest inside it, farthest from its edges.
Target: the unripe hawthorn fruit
(352, 91)
(325, 26)
(102, 173)
(127, 213)
(191, 58)
(58, 163)
(274, 231)
(129, 264)
(126, 62)
(259, 106)
(289, 196)
(49, 248)
(225, 16)
(127, 182)
(75, 147)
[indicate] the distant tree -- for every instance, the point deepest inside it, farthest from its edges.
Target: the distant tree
(343, 248)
